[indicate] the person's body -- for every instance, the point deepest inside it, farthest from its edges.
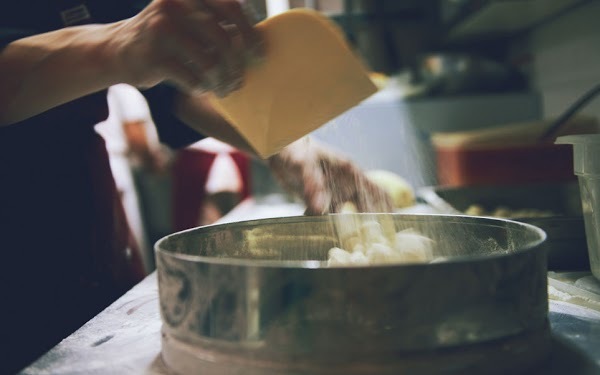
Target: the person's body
(67, 249)
(134, 151)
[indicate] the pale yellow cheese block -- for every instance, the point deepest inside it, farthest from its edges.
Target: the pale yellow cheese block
(309, 77)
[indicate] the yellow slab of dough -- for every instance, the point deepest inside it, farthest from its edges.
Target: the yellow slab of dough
(309, 77)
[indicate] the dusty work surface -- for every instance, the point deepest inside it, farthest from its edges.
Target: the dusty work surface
(125, 338)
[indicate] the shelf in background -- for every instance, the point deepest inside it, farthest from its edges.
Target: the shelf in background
(495, 18)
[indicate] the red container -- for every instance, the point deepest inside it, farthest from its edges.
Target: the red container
(507, 154)
(501, 165)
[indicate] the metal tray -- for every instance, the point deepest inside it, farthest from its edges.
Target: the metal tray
(257, 297)
(566, 243)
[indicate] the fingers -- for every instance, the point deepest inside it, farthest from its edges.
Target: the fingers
(371, 198)
(226, 74)
(198, 45)
(326, 181)
(232, 12)
(347, 183)
(317, 196)
(182, 75)
(188, 61)
(223, 25)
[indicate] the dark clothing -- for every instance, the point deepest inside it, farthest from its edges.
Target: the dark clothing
(66, 247)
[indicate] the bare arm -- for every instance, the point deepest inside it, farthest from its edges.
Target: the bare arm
(44, 71)
(181, 41)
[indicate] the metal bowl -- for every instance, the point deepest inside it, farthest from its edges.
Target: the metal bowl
(257, 296)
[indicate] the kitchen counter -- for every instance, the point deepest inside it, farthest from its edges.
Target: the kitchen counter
(125, 338)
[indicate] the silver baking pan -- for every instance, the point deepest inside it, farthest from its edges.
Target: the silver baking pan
(257, 297)
(566, 243)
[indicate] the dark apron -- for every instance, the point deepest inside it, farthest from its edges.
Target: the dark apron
(66, 248)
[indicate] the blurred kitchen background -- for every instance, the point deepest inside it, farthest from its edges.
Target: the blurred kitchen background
(466, 88)
(456, 65)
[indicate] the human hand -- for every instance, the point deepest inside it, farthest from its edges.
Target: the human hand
(198, 45)
(326, 180)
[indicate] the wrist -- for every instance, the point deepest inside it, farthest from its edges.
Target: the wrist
(108, 54)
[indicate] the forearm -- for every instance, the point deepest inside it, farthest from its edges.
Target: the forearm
(177, 41)
(47, 70)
